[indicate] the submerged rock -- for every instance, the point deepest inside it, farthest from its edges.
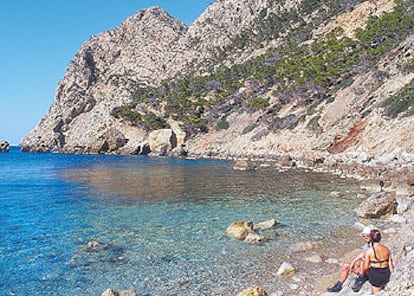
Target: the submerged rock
(253, 291)
(265, 224)
(239, 229)
(254, 238)
(304, 247)
(110, 292)
(93, 246)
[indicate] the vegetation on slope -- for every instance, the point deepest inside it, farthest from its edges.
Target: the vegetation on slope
(402, 102)
(309, 73)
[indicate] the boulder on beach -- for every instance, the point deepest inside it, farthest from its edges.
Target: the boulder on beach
(377, 205)
(239, 229)
(253, 291)
(286, 269)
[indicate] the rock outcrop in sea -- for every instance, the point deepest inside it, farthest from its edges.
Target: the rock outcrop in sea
(4, 146)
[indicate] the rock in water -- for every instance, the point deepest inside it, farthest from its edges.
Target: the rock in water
(253, 291)
(239, 229)
(4, 146)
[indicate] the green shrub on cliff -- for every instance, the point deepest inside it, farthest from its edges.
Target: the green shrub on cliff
(223, 124)
(258, 103)
(152, 121)
(127, 112)
(402, 102)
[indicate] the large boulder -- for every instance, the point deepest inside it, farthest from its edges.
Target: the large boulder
(113, 140)
(162, 141)
(252, 291)
(377, 205)
(4, 146)
(109, 142)
(401, 282)
(239, 229)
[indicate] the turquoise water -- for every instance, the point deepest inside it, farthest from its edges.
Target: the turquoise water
(160, 222)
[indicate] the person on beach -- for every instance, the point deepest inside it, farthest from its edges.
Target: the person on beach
(355, 266)
(377, 263)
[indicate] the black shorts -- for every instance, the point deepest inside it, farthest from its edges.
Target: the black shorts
(378, 277)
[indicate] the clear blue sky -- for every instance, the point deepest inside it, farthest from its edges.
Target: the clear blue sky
(40, 37)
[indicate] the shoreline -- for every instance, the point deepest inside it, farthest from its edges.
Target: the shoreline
(392, 173)
(398, 177)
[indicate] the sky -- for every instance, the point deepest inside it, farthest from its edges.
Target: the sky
(38, 38)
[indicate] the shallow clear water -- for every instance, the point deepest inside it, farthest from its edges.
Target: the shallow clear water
(161, 223)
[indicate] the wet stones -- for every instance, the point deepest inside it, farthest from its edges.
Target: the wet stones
(245, 230)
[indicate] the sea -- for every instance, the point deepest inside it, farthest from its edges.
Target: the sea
(160, 225)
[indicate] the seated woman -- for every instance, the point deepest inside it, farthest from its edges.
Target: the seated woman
(355, 266)
(378, 263)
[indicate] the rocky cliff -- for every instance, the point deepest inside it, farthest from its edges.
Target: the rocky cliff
(289, 104)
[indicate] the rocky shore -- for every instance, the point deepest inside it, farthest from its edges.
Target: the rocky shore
(388, 183)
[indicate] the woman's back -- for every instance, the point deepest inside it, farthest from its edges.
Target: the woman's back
(379, 256)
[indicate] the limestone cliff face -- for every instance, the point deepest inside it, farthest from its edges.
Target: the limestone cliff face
(146, 49)
(103, 74)
(151, 47)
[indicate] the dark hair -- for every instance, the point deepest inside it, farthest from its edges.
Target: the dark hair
(375, 236)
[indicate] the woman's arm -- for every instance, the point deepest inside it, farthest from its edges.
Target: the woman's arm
(365, 265)
(360, 256)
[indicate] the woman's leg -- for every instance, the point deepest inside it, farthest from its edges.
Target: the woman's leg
(344, 272)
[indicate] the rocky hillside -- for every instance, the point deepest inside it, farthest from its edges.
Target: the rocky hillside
(300, 80)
